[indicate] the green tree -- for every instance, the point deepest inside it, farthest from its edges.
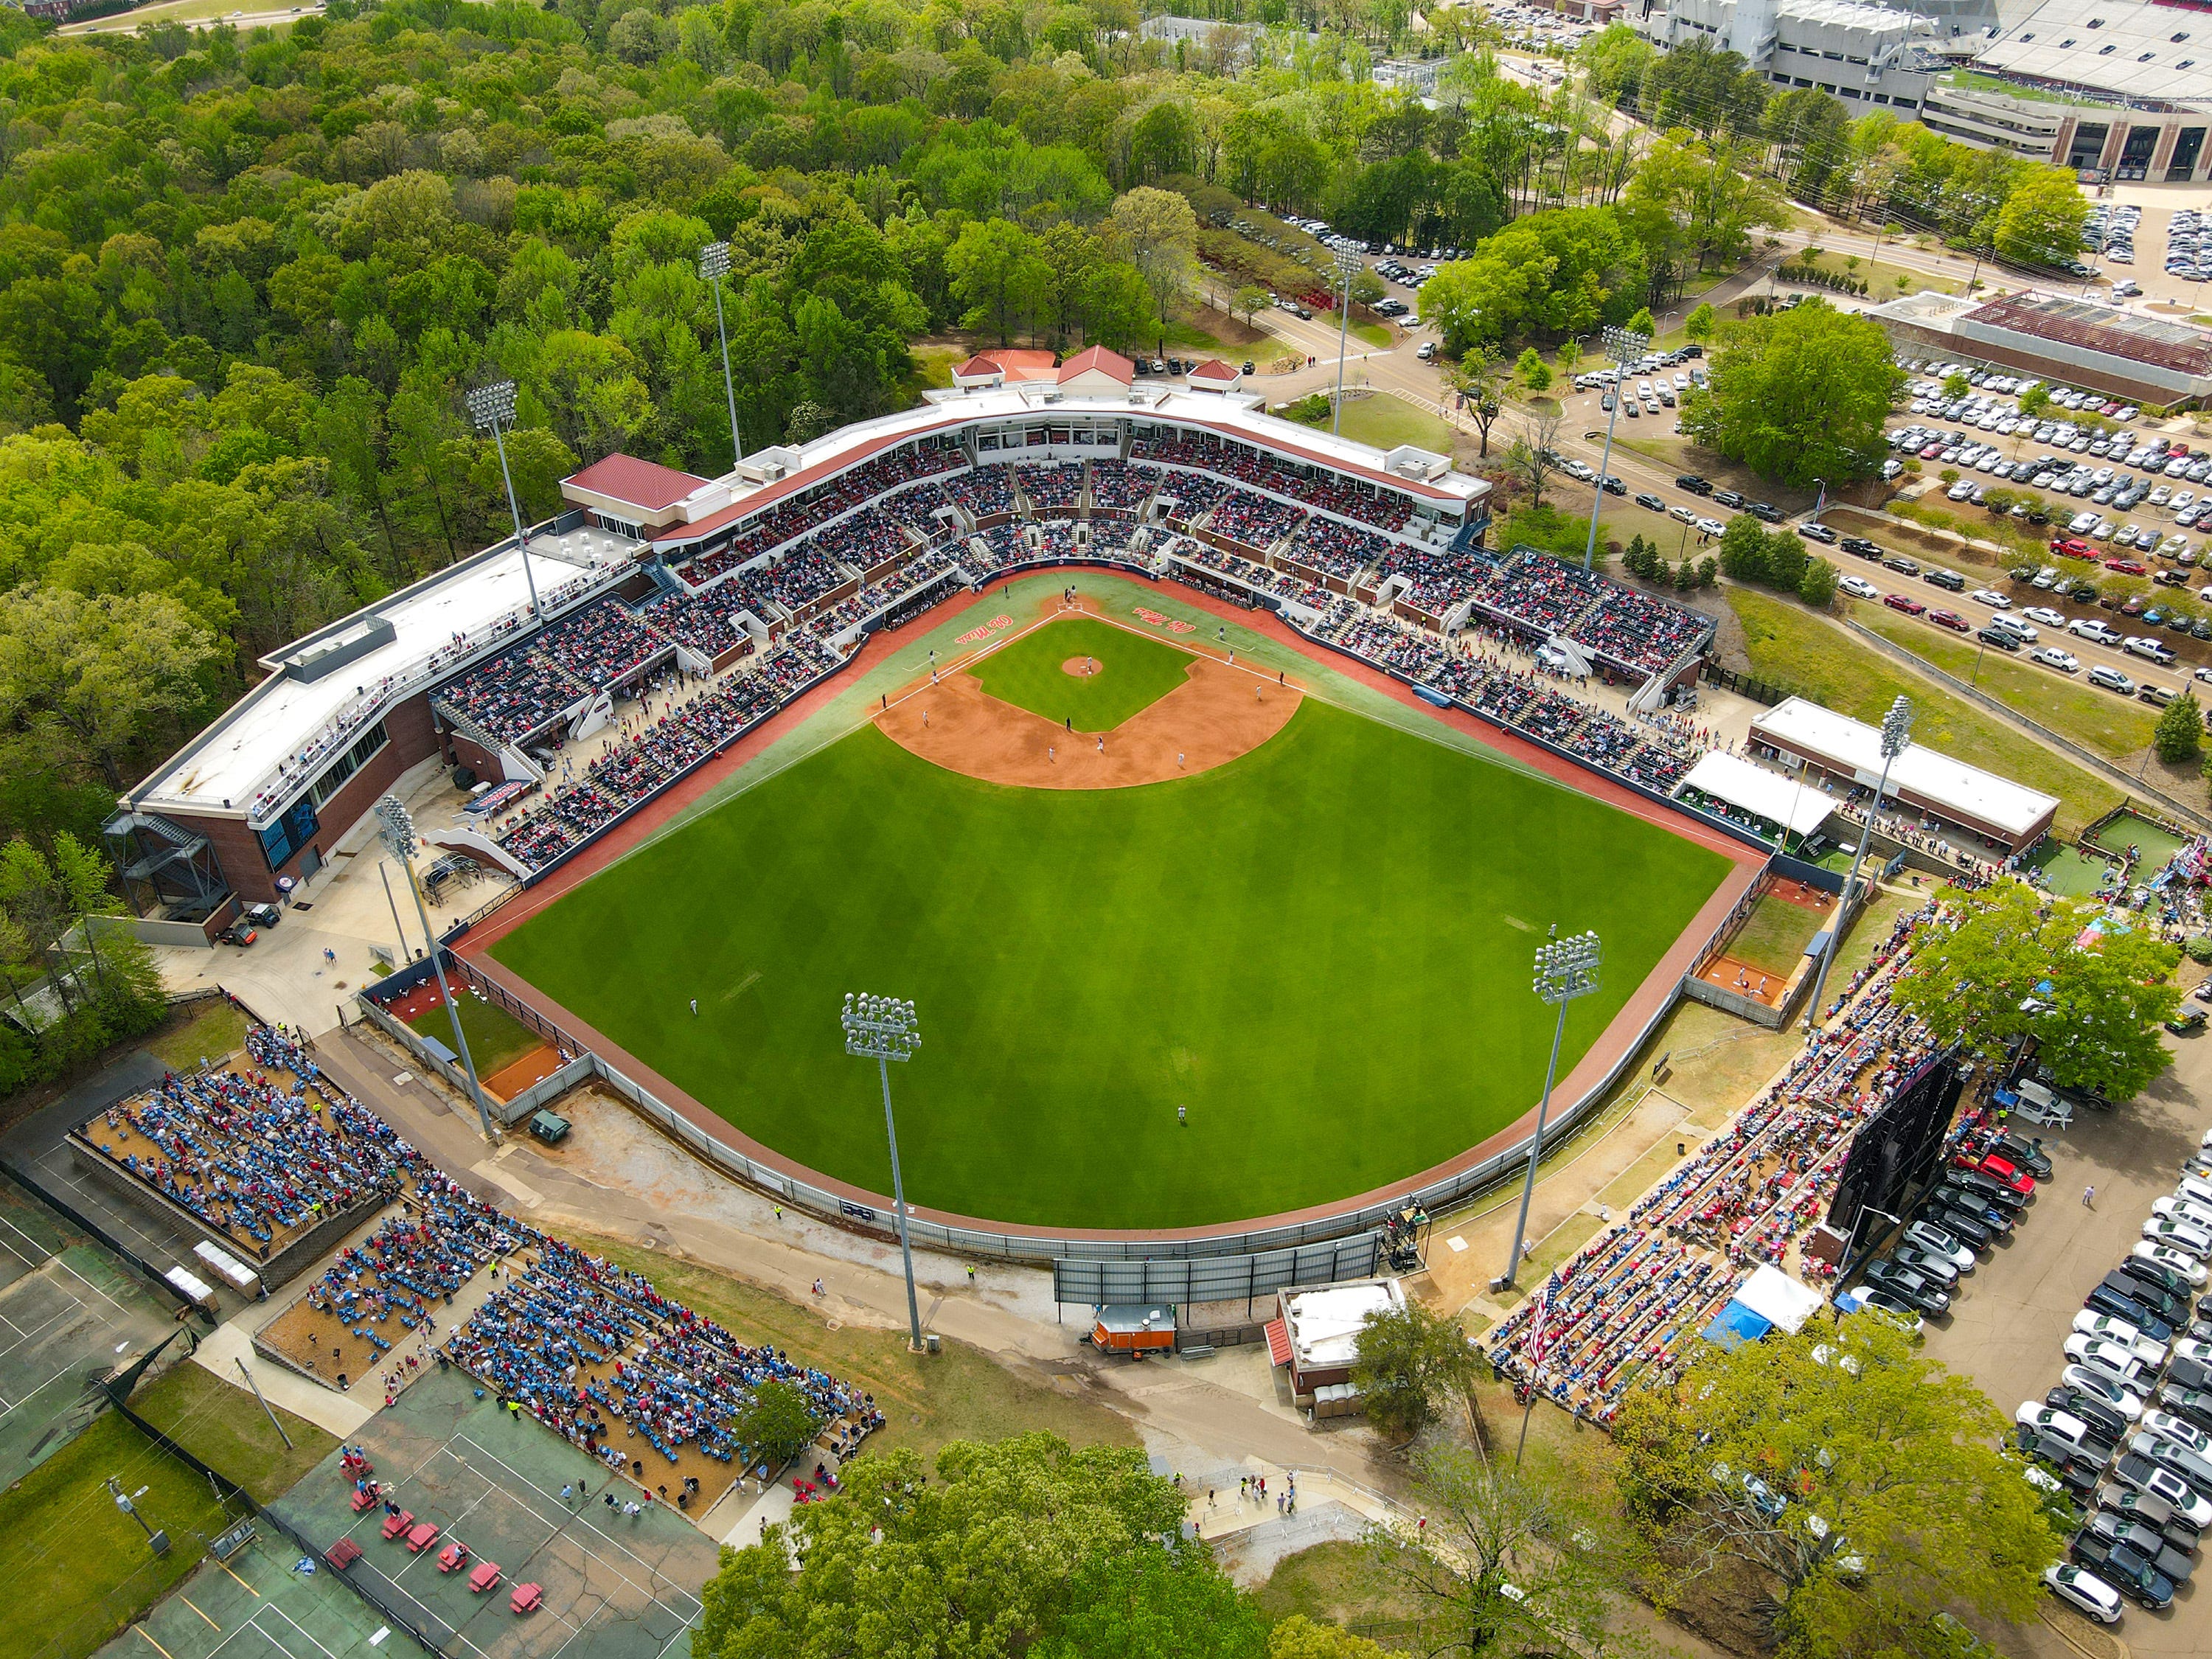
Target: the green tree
(1701, 325)
(1251, 301)
(1406, 1358)
(1543, 1528)
(1000, 277)
(1643, 323)
(2040, 222)
(1856, 1482)
(1817, 587)
(1799, 395)
(105, 677)
(1158, 232)
(1957, 386)
(1025, 1546)
(2180, 736)
(1300, 1638)
(2017, 966)
(776, 1423)
(1743, 550)
(1534, 457)
(1480, 377)
(1366, 287)
(1532, 371)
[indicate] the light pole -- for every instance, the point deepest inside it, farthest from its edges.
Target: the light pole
(884, 1029)
(396, 824)
(490, 406)
(713, 265)
(1851, 1245)
(156, 1541)
(1565, 968)
(1820, 501)
(1896, 733)
(1623, 346)
(1346, 263)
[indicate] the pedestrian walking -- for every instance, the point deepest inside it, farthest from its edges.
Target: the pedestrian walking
(1050, 753)
(1183, 1115)
(569, 1492)
(2090, 1198)
(1101, 742)
(694, 1005)
(971, 1272)
(779, 1212)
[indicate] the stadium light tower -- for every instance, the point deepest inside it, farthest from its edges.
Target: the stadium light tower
(1896, 736)
(1565, 968)
(490, 407)
(1623, 346)
(396, 824)
(713, 265)
(1347, 262)
(884, 1029)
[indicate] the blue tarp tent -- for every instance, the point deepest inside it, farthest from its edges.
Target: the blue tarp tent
(1737, 1325)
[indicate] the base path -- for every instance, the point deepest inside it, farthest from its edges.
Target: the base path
(1218, 714)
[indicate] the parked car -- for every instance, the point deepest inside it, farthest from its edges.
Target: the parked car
(1857, 587)
(2084, 1592)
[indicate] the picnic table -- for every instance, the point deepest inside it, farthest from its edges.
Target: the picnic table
(453, 1557)
(397, 1523)
(422, 1538)
(484, 1576)
(527, 1598)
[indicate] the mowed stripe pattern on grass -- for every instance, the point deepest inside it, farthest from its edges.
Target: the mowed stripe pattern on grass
(1321, 949)
(1133, 673)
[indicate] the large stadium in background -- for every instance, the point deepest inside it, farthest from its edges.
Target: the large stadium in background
(1320, 950)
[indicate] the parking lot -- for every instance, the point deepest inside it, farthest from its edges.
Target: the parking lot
(2010, 1320)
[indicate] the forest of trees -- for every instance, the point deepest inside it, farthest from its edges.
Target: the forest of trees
(244, 279)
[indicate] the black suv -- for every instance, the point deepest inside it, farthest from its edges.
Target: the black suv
(1860, 545)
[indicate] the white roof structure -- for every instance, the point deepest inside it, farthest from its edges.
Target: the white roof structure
(1919, 776)
(1777, 1298)
(2153, 57)
(324, 690)
(1324, 1325)
(1772, 796)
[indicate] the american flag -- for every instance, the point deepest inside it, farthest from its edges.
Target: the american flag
(1541, 1333)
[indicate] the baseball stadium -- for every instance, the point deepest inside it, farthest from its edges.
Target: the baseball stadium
(1115, 727)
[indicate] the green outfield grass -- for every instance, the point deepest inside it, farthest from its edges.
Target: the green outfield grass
(1133, 673)
(495, 1037)
(1774, 935)
(1322, 950)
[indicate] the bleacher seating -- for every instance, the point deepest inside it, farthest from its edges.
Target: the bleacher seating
(514, 695)
(602, 645)
(1252, 521)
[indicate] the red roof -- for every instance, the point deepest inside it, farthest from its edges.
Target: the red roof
(975, 367)
(1107, 362)
(1278, 1341)
(640, 484)
(1214, 369)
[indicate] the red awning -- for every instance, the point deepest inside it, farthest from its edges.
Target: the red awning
(1279, 1342)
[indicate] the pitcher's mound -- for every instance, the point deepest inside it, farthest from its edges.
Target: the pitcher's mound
(1081, 667)
(1216, 714)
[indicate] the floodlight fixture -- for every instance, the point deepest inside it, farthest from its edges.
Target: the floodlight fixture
(713, 265)
(492, 407)
(1623, 346)
(884, 1030)
(396, 825)
(1565, 968)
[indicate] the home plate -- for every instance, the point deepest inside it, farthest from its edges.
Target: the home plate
(1457, 1244)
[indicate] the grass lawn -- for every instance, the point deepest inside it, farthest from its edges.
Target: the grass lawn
(2155, 845)
(2113, 726)
(1386, 422)
(218, 1029)
(2067, 870)
(1337, 1583)
(1774, 935)
(78, 1567)
(1134, 672)
(1374, 334)
(495, 1038)
(1789, 644)
(962, 1394)
(224, 1426)
(1306, 947)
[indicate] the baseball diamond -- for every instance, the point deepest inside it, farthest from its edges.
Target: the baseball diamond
(1316, 944)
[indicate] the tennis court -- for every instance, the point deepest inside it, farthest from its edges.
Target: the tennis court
(259, 1604)
(68, 1309)
(618, 1586)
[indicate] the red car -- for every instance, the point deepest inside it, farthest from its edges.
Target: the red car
(1898, 602)
(2126, 568)
(1952, 620)
(2000, 1169)
(2071, 547)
